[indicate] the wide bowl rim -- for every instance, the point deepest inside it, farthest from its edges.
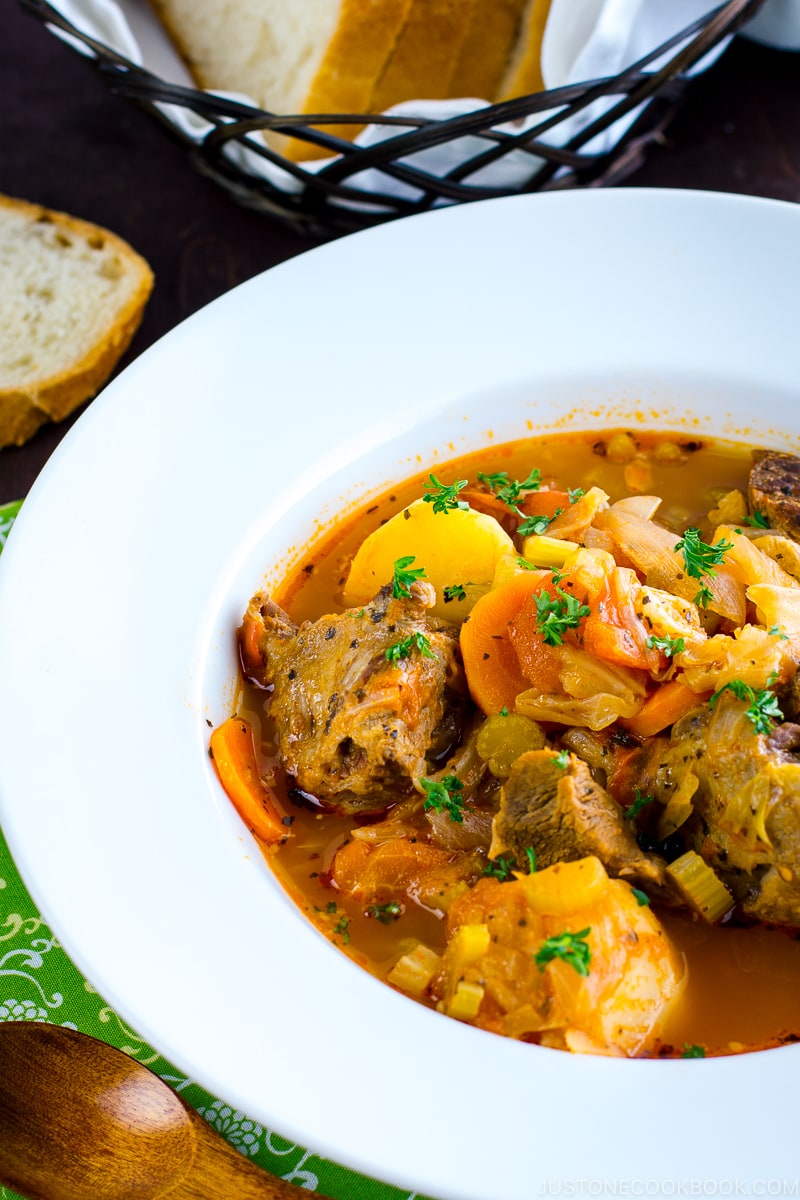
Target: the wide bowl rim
(154, 540)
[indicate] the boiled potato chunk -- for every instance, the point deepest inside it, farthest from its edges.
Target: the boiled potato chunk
(456, 547)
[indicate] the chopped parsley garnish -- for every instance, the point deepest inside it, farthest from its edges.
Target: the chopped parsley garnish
(758, 520)
(561, 760)
(640, 801)
(693, 1051)
(700, 560)
(341, 928)
(500, 868)
(403, 578)
(555, 614)
(509, 490)
(537, 525)
(403, 649)
(455, 591)
(526, 566)
(571, 948)
(503, 711)
(763, 708)
(575, 494)
(530, 854)
(444, 496)
(444, 795)
(385, 913)
(667, 645)
(774, 631)
(703, 598)
(642, 898)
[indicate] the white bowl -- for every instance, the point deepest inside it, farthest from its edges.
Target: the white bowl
(204, 469)
(776, 24)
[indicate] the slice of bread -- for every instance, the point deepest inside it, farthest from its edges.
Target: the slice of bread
(523, 73)
(487, 48)
(71, 299)
(318, 56)
(426, 54)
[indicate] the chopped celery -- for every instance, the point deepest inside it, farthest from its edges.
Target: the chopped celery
(700, 886)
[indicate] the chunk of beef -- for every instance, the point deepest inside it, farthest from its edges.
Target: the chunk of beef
(354, 728)
(564, 815)
(774, 490)
(746, 804)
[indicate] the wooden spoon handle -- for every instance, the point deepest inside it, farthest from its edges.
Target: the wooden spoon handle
(220, 1170)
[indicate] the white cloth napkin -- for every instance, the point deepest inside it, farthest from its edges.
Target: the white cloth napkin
(583, 40)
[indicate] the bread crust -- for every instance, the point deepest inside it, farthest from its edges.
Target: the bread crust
(425, 57)
(488, 45)
(56, 393)
(366, 35)
(524, 73)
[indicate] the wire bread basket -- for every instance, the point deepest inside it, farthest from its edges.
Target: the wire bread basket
(414, 162)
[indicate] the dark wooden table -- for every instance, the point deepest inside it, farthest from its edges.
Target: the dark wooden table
(67, 143)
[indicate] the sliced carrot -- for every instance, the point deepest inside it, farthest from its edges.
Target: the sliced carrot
(250, 631)
(540, 662)
(544, 504)
(667, 704)
(493, 671)
(614, 632)
(386, 871)
(233, 753)
(611, 643)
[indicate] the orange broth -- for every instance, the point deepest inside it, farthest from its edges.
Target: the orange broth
(743, 983)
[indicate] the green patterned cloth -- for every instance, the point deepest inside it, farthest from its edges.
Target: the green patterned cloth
(38, 982)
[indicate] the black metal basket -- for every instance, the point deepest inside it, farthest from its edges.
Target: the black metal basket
(332, 199)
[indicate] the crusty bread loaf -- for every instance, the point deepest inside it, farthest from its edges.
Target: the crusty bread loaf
(487, 48)
(424, 59)
(523, 73)
(357, 56)
(71, 299)
(318, 56)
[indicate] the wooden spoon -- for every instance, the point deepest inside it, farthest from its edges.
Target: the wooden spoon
(79, 1120)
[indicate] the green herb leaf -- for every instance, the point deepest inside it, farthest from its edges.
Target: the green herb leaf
(758, 520)
(444, 496)
(509, 490)
(537, 525)
(774, 631)
(403, 578)
(561, 760)
(500, 868)
(341, 928)
(455, 591)
(526, 566)
(640, 801)
(700, 558)
(503, 711)
(667, 645)
(554, 615)
(693, 1051)
(575, 494)
(444, 795)
(571, 948)
(763, 708)
(642, 898)
(385, 913)
(404, 648)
